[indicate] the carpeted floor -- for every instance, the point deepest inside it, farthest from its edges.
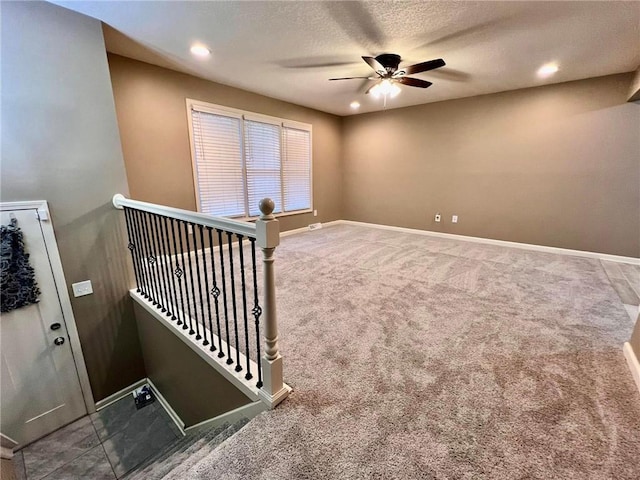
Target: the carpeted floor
(414, 357)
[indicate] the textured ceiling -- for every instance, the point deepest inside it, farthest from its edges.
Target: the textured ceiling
(289, 50)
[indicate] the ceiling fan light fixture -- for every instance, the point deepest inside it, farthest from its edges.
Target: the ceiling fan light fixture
(385, 88)
(354, 105)
(395, 90)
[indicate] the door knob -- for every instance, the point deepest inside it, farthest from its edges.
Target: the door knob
(59, 341)
(55, 326)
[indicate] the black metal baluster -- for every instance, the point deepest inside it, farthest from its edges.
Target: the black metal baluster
(166, 252)
(248, 376)
(193, 290)
(161, 274)
(144, 264)
(184, 266)
(257, 310)
(195, 254)
(150, 260)
(140, 248)
(153, 259)
(224, 297)
(206, 288)
(178, 272)
(233, 300)
(215, 291)
(132, 247)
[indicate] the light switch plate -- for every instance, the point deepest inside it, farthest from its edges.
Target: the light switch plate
(82, 288)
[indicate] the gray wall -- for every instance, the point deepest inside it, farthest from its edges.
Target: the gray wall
(60, 143)
(193, 389)
(152, 117)
(556, 165)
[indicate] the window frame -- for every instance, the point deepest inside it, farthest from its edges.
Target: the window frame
(243, 115)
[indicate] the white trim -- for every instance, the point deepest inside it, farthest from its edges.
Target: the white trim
(7, 444)
(248, 411)
(120, 394)
(247, 229)
(228, 372)
(170, 411)
(277, 398)
(633, 363)
(502, 243)
(277, 215)
(42, 209)
(6, 453)
(295, 231)
(259, 118)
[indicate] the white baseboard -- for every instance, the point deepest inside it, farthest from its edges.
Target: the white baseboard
(113, 398)
(633, 363)
(502, 243)
(247, 411)
(7, 444)
(306, 229)
(167, 408)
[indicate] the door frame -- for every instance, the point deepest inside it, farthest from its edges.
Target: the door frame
(41, 208)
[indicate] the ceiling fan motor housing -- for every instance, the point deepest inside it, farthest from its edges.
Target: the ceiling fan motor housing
(389, 61)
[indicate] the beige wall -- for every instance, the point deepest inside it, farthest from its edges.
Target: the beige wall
(635, 339)
(193, 389)
(152, 117)
(556, 165)
(60, 143)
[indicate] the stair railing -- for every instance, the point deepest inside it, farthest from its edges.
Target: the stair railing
(200, 272)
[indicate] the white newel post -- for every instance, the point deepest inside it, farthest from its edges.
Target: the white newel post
(268, 238)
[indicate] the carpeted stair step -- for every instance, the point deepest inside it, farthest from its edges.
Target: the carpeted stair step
(162, 463)
(195, 457)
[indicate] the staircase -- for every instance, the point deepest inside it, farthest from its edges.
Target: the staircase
(178, 457)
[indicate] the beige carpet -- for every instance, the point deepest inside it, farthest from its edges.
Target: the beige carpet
(413, 357)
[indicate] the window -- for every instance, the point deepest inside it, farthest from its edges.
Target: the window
(240, 158)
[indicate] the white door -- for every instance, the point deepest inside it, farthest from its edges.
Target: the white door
(40, 389)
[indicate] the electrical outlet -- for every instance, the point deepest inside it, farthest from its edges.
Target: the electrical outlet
(454, 219)
(315, 213)
(82, 288)
(437, 217)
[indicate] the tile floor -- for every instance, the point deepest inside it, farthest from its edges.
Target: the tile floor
(103, 445)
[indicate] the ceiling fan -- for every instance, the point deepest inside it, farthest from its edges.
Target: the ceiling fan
(389, 75)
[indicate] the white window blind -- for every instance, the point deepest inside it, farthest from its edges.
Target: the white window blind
(240, 158)
(218, 162)
(296, 169)
(262, 160)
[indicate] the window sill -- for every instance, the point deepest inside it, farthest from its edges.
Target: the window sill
(277, 215)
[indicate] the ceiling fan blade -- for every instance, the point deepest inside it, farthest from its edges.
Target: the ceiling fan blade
(353, 78)
(376, 65)
(413, 82)
(423, 67)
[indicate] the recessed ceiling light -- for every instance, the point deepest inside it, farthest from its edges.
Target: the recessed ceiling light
(547, 70)
(200, 50)
(355, 105)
